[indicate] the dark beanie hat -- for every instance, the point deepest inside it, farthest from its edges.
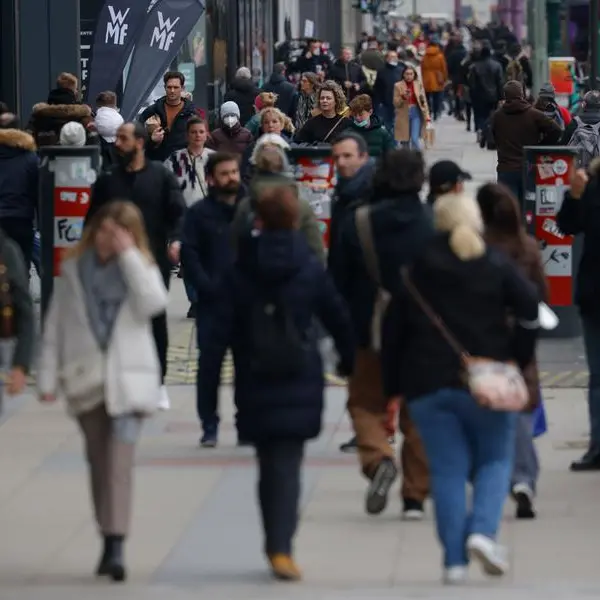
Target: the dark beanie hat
(62, 96)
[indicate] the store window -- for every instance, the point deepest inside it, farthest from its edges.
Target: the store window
(255, 37)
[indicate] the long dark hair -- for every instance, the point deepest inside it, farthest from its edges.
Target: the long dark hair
(501, 217)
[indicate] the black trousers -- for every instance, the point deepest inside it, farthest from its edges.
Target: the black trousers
(160, 330)
(21, 232)
(279, 465)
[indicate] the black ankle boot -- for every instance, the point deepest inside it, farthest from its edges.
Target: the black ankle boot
(115, 566)
(103, 565)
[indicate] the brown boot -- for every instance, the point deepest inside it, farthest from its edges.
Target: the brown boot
(284, 567)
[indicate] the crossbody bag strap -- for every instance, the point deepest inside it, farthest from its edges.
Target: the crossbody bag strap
(365, 237)
(435, 319)
(333, 128)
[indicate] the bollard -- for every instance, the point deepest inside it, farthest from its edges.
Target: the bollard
(545, 181)
(315, 173)
(67, 174)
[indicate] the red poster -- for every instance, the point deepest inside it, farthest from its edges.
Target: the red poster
(71, 202)
(316, 177)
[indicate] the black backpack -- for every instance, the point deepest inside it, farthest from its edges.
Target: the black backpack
(279, 350)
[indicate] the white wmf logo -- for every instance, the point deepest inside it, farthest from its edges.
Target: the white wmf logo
(164, 33)
(116, 29)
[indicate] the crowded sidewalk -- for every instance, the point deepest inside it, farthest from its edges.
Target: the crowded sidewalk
(196, 529)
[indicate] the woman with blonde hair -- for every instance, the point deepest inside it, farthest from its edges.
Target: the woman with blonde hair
(459, 289)
(412, 111)
(329, 119)
(99, 354)
(262, 101)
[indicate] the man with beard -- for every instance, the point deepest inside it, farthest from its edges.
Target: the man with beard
(156, 192)
(206, 254)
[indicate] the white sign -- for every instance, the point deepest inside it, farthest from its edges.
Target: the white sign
(67, 231)
(546, 200)
(163, 33)
(550, 226)
(309, 28)
(116, 28)
(557, 261)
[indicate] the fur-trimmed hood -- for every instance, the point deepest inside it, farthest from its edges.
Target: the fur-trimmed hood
(458, 214)
(17, 139)
(67, 112)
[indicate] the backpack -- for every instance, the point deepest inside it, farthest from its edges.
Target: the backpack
(278, 349)
(514, 71)
(587, 139)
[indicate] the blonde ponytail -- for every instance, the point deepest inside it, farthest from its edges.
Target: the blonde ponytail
(466, 243)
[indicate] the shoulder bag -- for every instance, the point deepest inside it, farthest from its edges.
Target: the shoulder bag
(494, 384)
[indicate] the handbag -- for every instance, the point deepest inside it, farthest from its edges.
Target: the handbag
(494, 384)
(84, 376)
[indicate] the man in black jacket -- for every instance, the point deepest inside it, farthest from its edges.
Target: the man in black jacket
(207, 253)
(485, 83)
(287, 95)
(155, 191)
(400, 227)
(348, 74)
(243, 92)
(383, 90)
(173, 111)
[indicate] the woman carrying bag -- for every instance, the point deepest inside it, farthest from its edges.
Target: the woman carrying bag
(99, 354)
(412, 111)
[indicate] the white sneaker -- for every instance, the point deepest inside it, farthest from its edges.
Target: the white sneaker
(165, 402)
(492, 556)
(455, 575)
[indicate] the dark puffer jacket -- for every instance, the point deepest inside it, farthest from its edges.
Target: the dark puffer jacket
(236, 139)
(48, 119)
(280, 262)
(378, 138)
(243, 92)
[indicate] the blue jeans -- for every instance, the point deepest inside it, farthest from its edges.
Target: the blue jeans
(591, 340)
(464, 442)
(414, 127)
(526, 466)
(388, 115)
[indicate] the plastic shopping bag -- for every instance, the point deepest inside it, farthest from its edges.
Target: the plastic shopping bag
(540, 423)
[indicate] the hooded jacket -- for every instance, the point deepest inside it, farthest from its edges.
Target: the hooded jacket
(176, 137)
(434, 71)
(18, 175)
(378, 138)
(582, 216)
(401, 227)
(48, 119)
(275, 263)
(243, 92)
(471, 288)
(516, 125)
(589, 115)
(287, 95)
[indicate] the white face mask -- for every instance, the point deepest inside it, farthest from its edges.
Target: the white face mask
(230, 121)
(317, 51)
(393, 63)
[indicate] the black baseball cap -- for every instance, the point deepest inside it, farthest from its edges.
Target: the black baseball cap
(446, 173)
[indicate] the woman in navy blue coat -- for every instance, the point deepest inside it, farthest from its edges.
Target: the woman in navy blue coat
(279, 390)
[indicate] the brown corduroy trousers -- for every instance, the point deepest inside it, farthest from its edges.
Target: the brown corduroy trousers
(110, 449)
(368, 408)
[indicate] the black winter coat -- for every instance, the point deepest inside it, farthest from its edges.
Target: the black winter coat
(206, 248)
(401, 228)
(176, 137)
(582, 216)
(243, 92)
(287, 95)
(387, 78)
(472, 298)
(348, 71)
(291, 408)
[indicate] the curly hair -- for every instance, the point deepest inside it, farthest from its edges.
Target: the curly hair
(338, 94)
(271, 111)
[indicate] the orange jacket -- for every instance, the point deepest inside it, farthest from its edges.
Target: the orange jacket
(434, 69)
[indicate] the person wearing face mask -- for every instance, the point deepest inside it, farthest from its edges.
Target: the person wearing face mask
(383, 90)
(156, 192)
(313, 60)
(231, 136)
(329, 120)
(368, 126)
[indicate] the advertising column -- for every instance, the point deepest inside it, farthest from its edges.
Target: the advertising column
(546, 181)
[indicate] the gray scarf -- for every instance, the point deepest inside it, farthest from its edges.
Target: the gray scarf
(104, 291)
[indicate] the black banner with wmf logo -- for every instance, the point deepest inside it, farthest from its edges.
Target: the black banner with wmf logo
(166, 28)
(117, 27)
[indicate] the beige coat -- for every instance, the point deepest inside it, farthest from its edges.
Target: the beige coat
(401, 127)
(130, 368)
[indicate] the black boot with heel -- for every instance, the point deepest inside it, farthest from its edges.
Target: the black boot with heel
(112, 562)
